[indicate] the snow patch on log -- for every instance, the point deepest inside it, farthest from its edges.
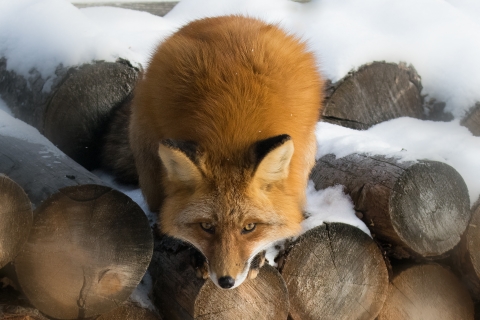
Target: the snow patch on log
(12, 127)
(409, 139)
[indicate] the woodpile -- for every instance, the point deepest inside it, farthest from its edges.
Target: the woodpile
(72, 108)
(88, 245)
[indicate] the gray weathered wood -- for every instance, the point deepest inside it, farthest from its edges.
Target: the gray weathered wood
(179, 294)
(427, 292)
(156, 8)
(73, 107)
(335, 271)
(417, 209)
(374, 93)
(472, 120)
(16, 217)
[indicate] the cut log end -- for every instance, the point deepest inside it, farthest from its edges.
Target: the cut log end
(335, 271)
(430, 208)
(16, 216)
(419, 208)
(88, 249)
(79, 111)
(376, 92)
(427, 292)
(180, 294)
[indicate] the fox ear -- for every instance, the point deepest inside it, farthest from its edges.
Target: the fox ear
(272, 158)
(180, 161)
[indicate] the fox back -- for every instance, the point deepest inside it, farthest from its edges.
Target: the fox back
(222, 132)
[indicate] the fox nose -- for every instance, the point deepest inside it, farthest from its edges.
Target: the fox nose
(226, 282)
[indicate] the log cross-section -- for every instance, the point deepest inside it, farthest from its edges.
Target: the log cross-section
(419, 208)
(376, 92)
(335, 271)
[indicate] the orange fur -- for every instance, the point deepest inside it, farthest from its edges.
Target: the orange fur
(226, 83)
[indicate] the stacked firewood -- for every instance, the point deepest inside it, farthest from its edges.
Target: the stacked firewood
(75, 248)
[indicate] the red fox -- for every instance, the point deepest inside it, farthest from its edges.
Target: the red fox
(222, 133)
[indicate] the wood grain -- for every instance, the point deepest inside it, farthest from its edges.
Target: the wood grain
(335, 271)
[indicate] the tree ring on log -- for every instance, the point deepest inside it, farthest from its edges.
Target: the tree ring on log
(430, 208)
(427, 292)
(16, 216)
(179, 294)
(374, 93)
(335, 271)
(78, 112)
(88, 249)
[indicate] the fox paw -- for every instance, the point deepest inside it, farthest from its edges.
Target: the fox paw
(199, 264)
(256, 264)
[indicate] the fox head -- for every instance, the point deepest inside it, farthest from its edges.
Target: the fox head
(229, 209)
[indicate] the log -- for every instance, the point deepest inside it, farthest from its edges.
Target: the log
(88, 249)
(427, 292)
(16, 217)
(89, 245)
(466, 256)
(335, 271)
(156, 8)
(418, 209)
(116, 155)
(374, 93)
(472, 120)
(72, 107)
(129, 311)
(179, 294)
(13, 307)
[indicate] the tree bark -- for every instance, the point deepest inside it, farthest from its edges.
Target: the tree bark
(427, 292)
(335, 271)
(466, 256)
(72, 107)
(16, 217)
(179, 294)
(472, 120)
(89, 245)
(374, 93)
(417, 209)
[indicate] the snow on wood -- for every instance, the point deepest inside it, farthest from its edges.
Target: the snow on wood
(374, 93)
(418, 208)
(335, 271)
(72, 107)
(427, 292)
(16, 217)
(179, 294)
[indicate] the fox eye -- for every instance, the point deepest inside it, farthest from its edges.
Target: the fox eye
(249, 228)
(208, 227)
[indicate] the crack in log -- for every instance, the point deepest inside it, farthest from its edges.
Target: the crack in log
(330, 246)
(212, 313)
(333, 118)
(82, 299)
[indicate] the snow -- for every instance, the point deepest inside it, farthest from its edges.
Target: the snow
(12, 127)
